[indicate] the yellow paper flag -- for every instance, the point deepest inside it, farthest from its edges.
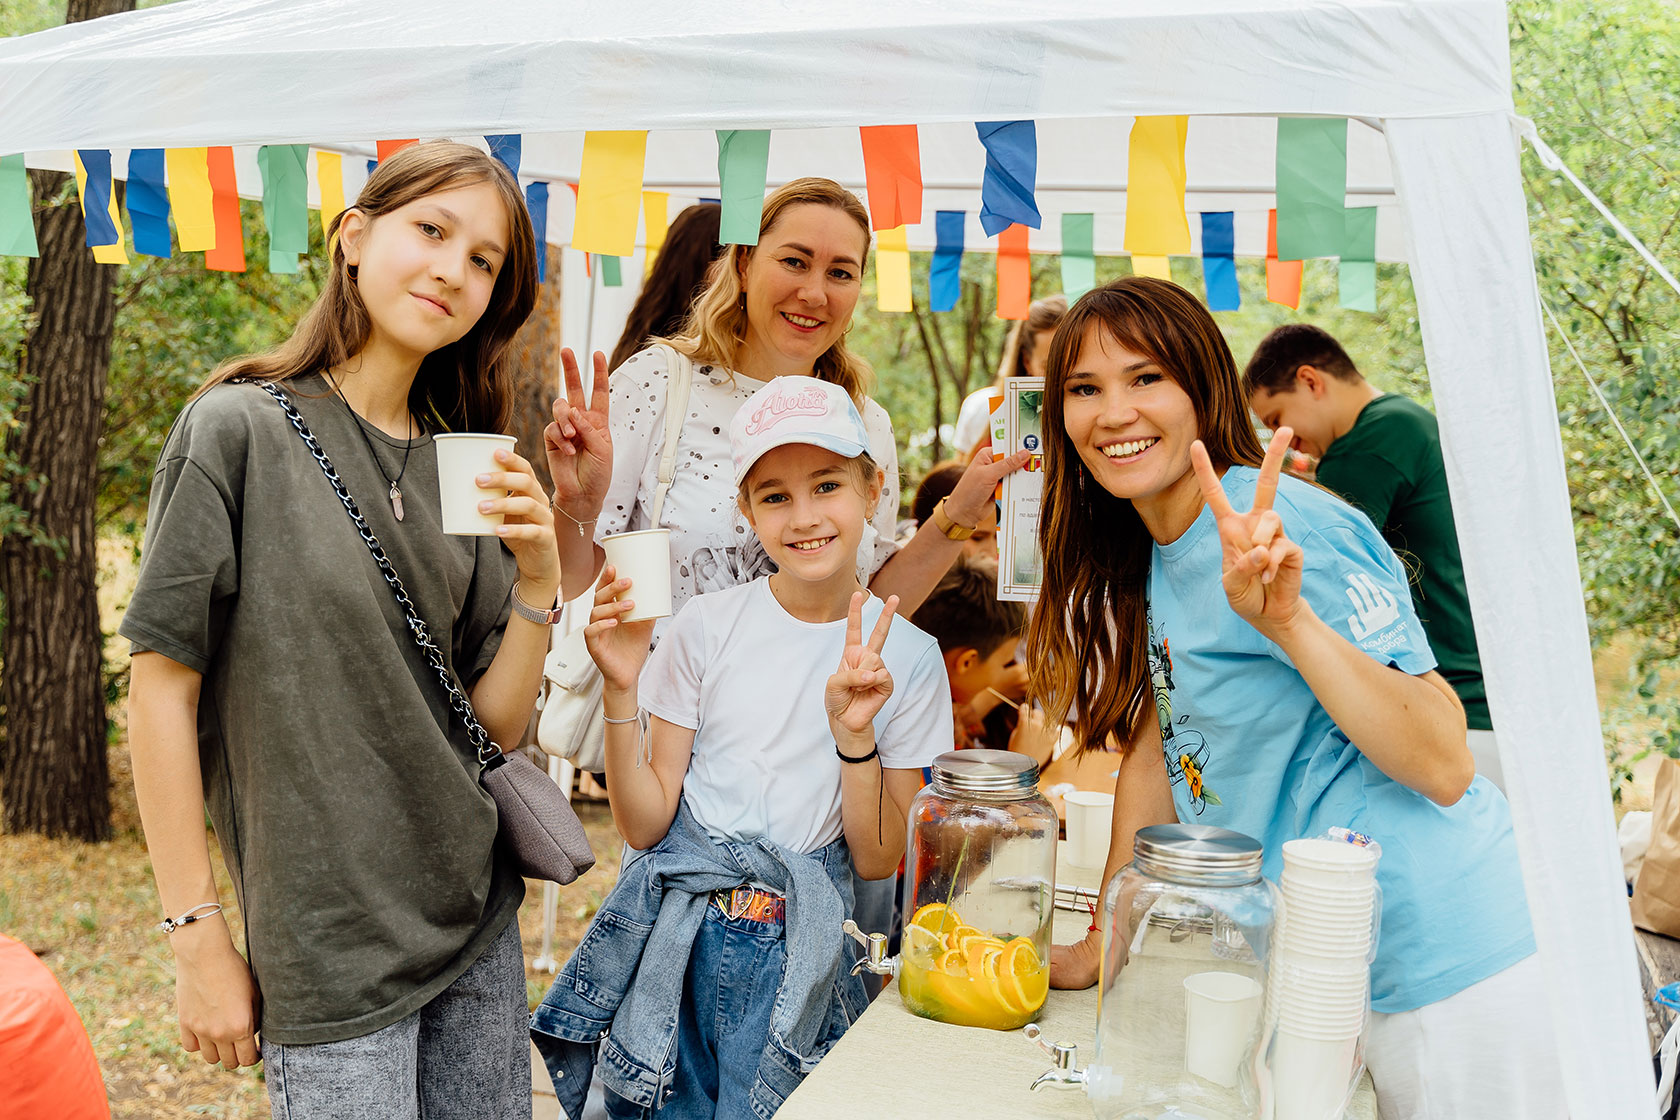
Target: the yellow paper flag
(1155, 221)
(329, 183)
(892, 270)
(656, 220)
(189, 198)
(1145, 265)
(609, 193)
(104, 254)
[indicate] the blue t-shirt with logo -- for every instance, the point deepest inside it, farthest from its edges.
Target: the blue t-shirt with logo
(1248, 747)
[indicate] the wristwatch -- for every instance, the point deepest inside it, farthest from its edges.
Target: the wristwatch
(534, 614)
(942, 521)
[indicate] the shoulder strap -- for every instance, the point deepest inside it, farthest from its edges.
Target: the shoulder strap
(680, 369)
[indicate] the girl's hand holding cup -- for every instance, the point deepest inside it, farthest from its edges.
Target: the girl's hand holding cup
(527, 521)
(862, 684)
(579, 443)
(619, 648)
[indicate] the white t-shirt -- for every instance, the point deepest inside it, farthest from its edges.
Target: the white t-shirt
(748, 678)
(974, 419)
(712, 546)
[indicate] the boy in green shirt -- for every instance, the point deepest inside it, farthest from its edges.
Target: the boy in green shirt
(1382, 453)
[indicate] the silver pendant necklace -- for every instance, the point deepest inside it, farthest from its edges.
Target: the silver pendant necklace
(396, 491)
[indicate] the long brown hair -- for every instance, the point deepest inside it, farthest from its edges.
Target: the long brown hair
(465, 386)
(1093, 656)
(718, 327)
(675, 282)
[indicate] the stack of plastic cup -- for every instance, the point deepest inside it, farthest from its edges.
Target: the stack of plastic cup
(1318, 983)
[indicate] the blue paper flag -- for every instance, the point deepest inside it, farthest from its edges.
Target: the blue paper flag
(711, 202)
(372, 163)
(943, 279)
(1006, 193)
(507, 148)
(148, 202)
(536, 201)
(96, 211)
(1219, 270)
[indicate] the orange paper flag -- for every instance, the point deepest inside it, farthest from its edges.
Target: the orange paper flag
(229, 253)
(1283, 278)
(386, 147)
(1014, 273)
(892, 171)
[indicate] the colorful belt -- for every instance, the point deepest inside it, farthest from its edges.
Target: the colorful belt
(753, 905)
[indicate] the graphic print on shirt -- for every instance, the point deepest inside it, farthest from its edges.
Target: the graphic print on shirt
(716, 567)
(1185, 749)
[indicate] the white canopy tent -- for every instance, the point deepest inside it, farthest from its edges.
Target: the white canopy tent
(1434, 147)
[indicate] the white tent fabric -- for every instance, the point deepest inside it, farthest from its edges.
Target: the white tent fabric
(1430, 82)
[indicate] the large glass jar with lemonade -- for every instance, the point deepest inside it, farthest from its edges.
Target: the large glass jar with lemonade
(979, 889)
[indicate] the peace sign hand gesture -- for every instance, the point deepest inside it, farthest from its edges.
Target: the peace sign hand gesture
(862, 684)
(1262, 566)
(579, 442)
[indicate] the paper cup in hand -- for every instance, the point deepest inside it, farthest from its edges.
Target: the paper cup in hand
(643, 557)
(462, 457)
(1221, 1010)
(1090, 823)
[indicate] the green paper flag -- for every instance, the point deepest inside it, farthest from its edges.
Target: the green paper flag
(743, 168)
(1079, 263)
(1311, 186)
(285, 203)
(17, 217)
(1358, 269)
(612, 276)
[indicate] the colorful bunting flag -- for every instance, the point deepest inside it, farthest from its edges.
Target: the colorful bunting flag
(1079, 262)
(609, 192)
(892, 270)
(743, 170)
(329, 184)
(148, 202)
(1156, 225)
(612, 275)
(507, 147)
(99, 206)
(588, 258)
(656, 220)
(1143, 264)
(1014, 273)
(190, 198)
(1311, 186)
(892, 172)
(1357, 277)
(228, 254)
(389, 147)
(285, 203)
(1219, 268)
(17, 214)
(1283, 278)
(536, 201)
(944, 279)
(372, 166)
(1011, 180)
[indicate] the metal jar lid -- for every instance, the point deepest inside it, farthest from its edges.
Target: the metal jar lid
(992, 774)
(1197, 855)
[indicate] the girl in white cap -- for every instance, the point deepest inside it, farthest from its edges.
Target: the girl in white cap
(773, 743)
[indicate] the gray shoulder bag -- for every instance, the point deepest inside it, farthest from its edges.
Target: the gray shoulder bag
(535, 821)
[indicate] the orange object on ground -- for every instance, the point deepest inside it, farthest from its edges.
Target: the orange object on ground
(47, 1067)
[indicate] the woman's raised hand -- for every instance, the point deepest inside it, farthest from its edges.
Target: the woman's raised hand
(861, 684)
(528, 523)
(1262, 566)
(579, 442)
(618, 648)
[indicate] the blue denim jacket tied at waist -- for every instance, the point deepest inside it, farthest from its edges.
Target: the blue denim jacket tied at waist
(621, 989)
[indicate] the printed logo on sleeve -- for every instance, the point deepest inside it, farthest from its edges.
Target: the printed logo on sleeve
(1374, 607)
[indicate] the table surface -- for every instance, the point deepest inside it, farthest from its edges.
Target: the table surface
(894, 1063)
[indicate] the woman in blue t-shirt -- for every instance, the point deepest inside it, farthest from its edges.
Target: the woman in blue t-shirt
(1303, 698)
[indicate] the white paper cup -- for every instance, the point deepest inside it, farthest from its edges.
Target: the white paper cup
(1311, 1076)
(644, 557)
(461, 458)
(1090, 824)
(1221, 1010)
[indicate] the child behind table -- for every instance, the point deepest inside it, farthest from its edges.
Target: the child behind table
(978, 637)
(713, 977)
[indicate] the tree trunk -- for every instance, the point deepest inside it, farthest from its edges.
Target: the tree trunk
(53, 776)
(535, 357)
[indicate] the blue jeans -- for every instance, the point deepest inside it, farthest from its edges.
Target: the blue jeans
(729, 991)
(466, 1055)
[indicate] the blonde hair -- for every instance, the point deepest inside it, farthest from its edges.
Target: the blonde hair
(1043, 315)
(717, 328)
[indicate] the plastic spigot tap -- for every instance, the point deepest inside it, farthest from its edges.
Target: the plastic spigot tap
(1066, 1074)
